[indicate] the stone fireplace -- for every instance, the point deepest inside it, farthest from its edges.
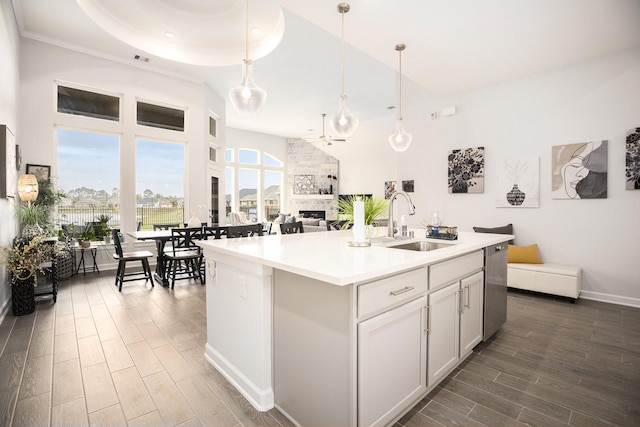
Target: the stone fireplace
(312, 179)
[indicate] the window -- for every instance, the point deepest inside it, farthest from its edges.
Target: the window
(253, 184)
(160, 117)
(160, 168)
(88, 174)
(213, 127)
(90, 104)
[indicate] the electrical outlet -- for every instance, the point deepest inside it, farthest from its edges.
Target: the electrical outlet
(211, 268)
(243, 287)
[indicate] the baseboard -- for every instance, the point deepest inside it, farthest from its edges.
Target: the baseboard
(261, 400)
(613, 299)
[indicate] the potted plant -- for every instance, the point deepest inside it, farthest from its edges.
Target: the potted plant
(24, 260)
(86, 236)
(374, 208)
(101, 227)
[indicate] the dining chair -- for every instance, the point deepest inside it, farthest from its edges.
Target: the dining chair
(184, 258)
(292, 227)
(215, 232)
(244, 231)
(339, 225)
(124, 257)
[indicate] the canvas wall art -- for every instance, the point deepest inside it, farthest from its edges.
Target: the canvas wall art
(579, 171)
(518, 183)
(466, 170)
(407, 186)
(633, 159)
(389, 189)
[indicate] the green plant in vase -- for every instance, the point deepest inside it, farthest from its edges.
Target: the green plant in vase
(86, 236)
(374, 208)
(30, 216)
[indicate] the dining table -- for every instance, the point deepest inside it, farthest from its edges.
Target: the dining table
(161, 237)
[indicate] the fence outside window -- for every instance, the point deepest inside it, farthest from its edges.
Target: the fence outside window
(145, 216)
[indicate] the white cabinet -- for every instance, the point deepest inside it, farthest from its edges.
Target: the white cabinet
(444, 331)
(472, 296)
(454, 314)
(391, 362)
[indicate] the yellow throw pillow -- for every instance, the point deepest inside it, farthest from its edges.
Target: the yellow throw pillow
(524, 254)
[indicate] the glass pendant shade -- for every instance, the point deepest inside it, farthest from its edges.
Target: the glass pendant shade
(343, 124)
(247, 98)
(400, 140)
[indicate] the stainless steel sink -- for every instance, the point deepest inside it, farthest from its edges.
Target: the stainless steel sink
(421, 246)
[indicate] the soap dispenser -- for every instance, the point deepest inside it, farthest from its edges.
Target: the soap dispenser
(435, 224)
(403, 226)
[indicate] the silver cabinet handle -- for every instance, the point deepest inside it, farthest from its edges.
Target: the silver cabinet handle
(428, 320)
(468, 303)
(460, 302)
(401, 291)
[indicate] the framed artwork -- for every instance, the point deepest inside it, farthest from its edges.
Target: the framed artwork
(579, 171)
(304, 184)
(518, 183)
(40, 171)
(407, 186)
(633, 160)
(8, 172)
(389, 189)
(466, 170)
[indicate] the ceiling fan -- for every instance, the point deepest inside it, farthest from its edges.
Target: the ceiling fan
(323, 139)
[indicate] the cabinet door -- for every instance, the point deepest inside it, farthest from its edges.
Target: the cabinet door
(471, 316)
(391, 362)
(444, 330)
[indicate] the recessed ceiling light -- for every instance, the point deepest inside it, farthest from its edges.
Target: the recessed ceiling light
(256, 31)
(169, 35)
(391, 107)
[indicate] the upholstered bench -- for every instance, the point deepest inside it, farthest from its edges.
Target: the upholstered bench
(555, 279)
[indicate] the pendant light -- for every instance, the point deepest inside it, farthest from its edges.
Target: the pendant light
(400, 139)
(343, 124)
(247, 98)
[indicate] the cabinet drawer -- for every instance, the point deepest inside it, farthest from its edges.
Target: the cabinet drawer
(387, 292)
(445, 272)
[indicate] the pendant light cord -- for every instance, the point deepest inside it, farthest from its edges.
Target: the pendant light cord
(246, 34)
(342, 53)
(400, 86)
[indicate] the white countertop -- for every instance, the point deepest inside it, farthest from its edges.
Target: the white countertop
(326, 256)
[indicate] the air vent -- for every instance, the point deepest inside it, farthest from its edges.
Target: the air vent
(141, 58)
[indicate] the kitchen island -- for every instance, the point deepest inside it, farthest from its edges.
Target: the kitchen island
(337, 335)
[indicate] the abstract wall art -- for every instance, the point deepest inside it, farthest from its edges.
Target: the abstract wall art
(466, 170)
(632, 160)
(518, 183)
(304, 184)
(389, 189)
(407, 186)
(579, 171)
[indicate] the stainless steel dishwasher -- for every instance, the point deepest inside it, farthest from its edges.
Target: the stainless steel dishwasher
(495, 288)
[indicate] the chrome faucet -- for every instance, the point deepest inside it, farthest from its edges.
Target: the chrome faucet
(412, 210)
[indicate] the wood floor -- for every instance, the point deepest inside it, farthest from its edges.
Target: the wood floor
(100, 357)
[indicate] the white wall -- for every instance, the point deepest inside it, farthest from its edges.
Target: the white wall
(43, 65)
(591, 101)
(9, 83)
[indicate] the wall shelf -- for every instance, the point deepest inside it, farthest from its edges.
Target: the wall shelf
(313, 196)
